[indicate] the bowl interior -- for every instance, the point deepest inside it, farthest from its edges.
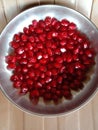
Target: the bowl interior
(15, 26)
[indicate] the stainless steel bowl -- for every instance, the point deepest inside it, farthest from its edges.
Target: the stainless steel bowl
(16, 25)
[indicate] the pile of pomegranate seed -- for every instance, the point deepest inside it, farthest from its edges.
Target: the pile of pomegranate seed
(50, 58)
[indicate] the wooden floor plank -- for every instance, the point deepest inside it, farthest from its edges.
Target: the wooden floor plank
(33, 122)
(3, 20)
(69, 122)
(84, 7)
(50, 123)
(86, 117)
(46, 1)
(68, 3)
(4, 112)
(95, 111)
(16, 120)
(25, 4)
(10, 9)
(94, 15)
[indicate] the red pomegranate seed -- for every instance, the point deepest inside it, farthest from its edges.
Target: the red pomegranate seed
(39, 30)
(26, 31)
(31, 39)
(63, 42)
(34, 23)
(23, 61)
(17, 84)
(29, 82)
(16, 38)
(72, 26)
(31, 74)
(33, 59)
(34, 93)
(14, 44)
(48, 73)
(20, 50)
(64, 22)
(67, 95)
(24, 69)
(31, 28)
(48, 20)
(14, 77)
(11, 66)
(24, 38)
(59, 59)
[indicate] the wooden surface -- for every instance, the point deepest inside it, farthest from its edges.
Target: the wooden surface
(12, 118)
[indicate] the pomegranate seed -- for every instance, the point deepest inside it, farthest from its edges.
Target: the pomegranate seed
(42, 37)
(17, 84)
(31, 28)
(14, 44)
(42, 68)
(20, 50)
(72, 26)
(32, 59)
(24, 90)
(48, 20)
(29, 82)
(26, 31)
(24, 38)
(64, 22)
(16, 38)
(34, 23)
(59, 59)
(11, 66)
(24, 69)
(14, 78)
(48, 73)
(42, 24)
(23, 61)
(34, 93)
(53, 21)
(39, 30)
(67, 95)
(31, 39)
(48, 79)
(63, 42)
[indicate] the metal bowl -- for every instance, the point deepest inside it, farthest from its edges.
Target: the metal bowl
(16, 25)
